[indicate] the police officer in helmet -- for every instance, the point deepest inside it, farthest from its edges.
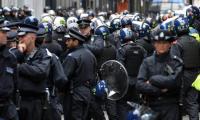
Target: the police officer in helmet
(158, 78)
(131, 55)
(188, 48)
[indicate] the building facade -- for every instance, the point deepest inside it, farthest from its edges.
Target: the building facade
(98, 5)
(36, 6)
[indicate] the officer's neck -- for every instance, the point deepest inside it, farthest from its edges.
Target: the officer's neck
(2, 46)
(30, 48)
(162, 56)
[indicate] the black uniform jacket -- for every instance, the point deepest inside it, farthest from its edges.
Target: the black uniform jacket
(8, 64)
(158, 78)
(80, 68)
(34, 72)
(95, 44)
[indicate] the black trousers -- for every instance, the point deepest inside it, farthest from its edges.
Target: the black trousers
(167, 111)
(111, 108)
(122, 107)
(95, 109)
(191, 95)
(8, 111)
(75, 109)
(55, 109)
(191, 104)
(31, 109)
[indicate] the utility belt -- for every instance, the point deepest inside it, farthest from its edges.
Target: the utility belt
(160, 100)
(87, 84)
(44, 97)
(5, 102)
(192, 69)
(31, 95)
(83, 83)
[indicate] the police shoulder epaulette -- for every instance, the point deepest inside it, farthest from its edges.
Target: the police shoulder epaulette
(177, 58)
(70, 54)
(49, 53)
(122, 45)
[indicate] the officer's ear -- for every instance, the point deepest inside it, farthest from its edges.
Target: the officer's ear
(76, 42)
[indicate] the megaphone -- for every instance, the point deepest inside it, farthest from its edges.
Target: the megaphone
(116, 78)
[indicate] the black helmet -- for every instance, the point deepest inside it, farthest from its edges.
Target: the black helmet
(194, 10)
(46, 9)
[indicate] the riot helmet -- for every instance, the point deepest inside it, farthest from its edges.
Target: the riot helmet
(91, 13)
(6, 11)
(181, 25)
(102, 31)
(59, 24)
(125, 12)
(115, 24)
(52, 12)
(192, 13)
(142, 28)
(125, 35)
(100, 89)
(47, 27)
(14, 9)
(125, 21)
(72, 22)
(31, 20)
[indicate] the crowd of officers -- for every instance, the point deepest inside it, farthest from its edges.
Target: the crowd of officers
(50, 67)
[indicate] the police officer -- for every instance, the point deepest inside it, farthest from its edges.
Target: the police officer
(107, 53)
(158, 78)
(51, 45)
(144, 38)
(194, 21)
(188, 48)
(13, 14)
(131, 55)
(94, 44)
(13, 26)
(8, 65)
(33, 72)
(56, 80)
(12, 39)
(115, 25)
(58, 32)
(193, 15)
(80, 67)
(6, 12)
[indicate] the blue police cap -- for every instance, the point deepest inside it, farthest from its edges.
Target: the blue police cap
(11, 36)
(25, 28)
(13, 25)
(2, 27)
(84, 22)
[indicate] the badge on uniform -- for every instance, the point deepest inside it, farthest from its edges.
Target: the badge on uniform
(9, 70)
